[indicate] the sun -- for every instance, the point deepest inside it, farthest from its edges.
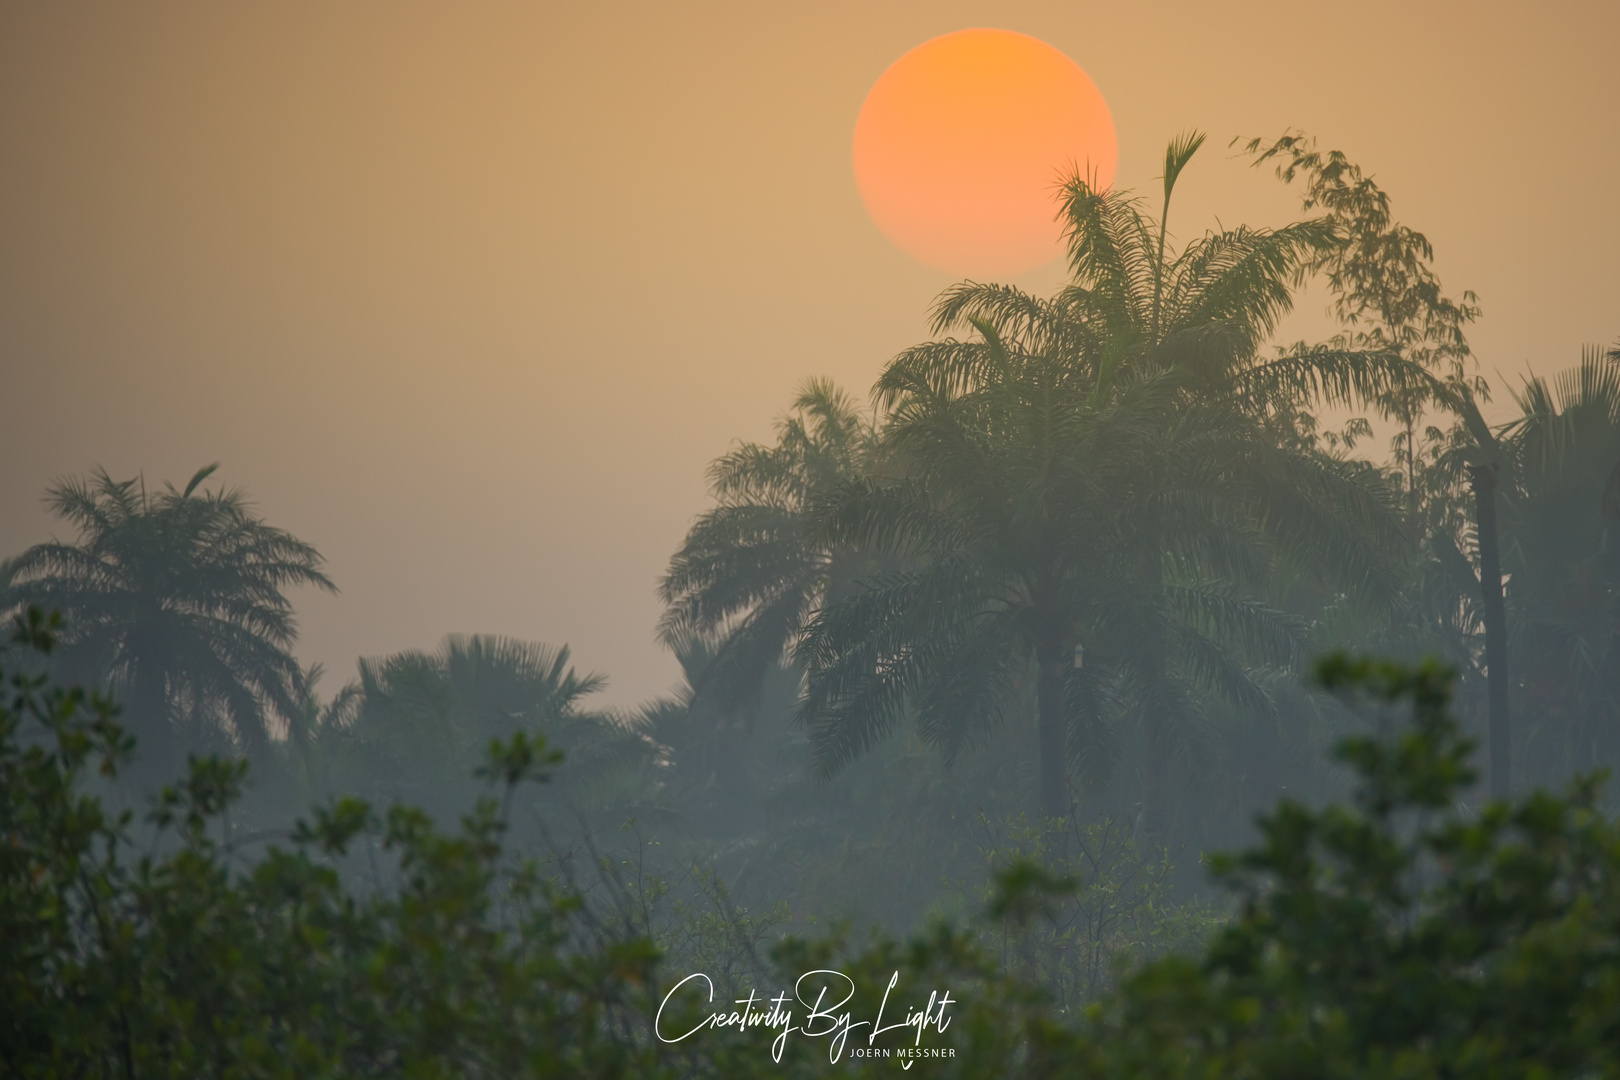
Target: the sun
(960, 144)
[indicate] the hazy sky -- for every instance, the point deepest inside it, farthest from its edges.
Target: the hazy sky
(468, 295)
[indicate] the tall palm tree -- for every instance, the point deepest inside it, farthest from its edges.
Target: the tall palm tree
(1562, 558)
(1540, 497)
(1104, 470)
(750, 571)
(1019, 525)
(178, 600)
(1479, 451)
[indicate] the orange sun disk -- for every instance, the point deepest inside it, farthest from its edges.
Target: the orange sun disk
(960, 145)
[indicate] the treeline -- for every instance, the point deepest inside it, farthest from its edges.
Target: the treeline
(1040, 616)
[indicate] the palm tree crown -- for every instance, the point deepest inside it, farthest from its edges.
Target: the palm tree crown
(751, 571)
(421, 721)
(179, 598)
(1562, 558)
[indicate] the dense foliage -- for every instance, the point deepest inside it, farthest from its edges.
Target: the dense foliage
(1398, 935)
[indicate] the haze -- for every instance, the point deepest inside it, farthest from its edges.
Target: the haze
(469, 296)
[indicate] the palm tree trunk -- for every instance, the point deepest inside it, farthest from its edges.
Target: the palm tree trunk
(148, 718)
(1053, 748)
(1156, 701)
(1483, 480)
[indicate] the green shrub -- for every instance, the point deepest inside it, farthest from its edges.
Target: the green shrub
(1402, 935)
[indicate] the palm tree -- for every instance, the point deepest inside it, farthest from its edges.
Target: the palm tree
(750, 572)
(315, 718)
(1480, 452)
(1539, 503)
(724, 773)
(177, 600)
(1101, 470)
(1018, 532)
(421, 722)
(1205, 312)
(1562, 557)
(1199, 317)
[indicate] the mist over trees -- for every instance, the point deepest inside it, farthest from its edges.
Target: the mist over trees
(175, 601)
(1034, 634)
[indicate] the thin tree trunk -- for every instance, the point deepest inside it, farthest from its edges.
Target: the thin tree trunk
(1054, 749)
(1411, 473)
(147, 717)
(1483, 481)
(1155, 702)
(1156, 778)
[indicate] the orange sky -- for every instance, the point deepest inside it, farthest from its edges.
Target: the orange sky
(468, 295)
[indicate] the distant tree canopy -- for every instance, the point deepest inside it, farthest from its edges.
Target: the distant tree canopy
(418, 723)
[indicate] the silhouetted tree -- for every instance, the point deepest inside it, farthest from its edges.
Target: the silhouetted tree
(1388, 296)
(178, 600)
(1386, 293)
(422, 720)
(1103, 464)
(750, 571)
(1562, 559)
